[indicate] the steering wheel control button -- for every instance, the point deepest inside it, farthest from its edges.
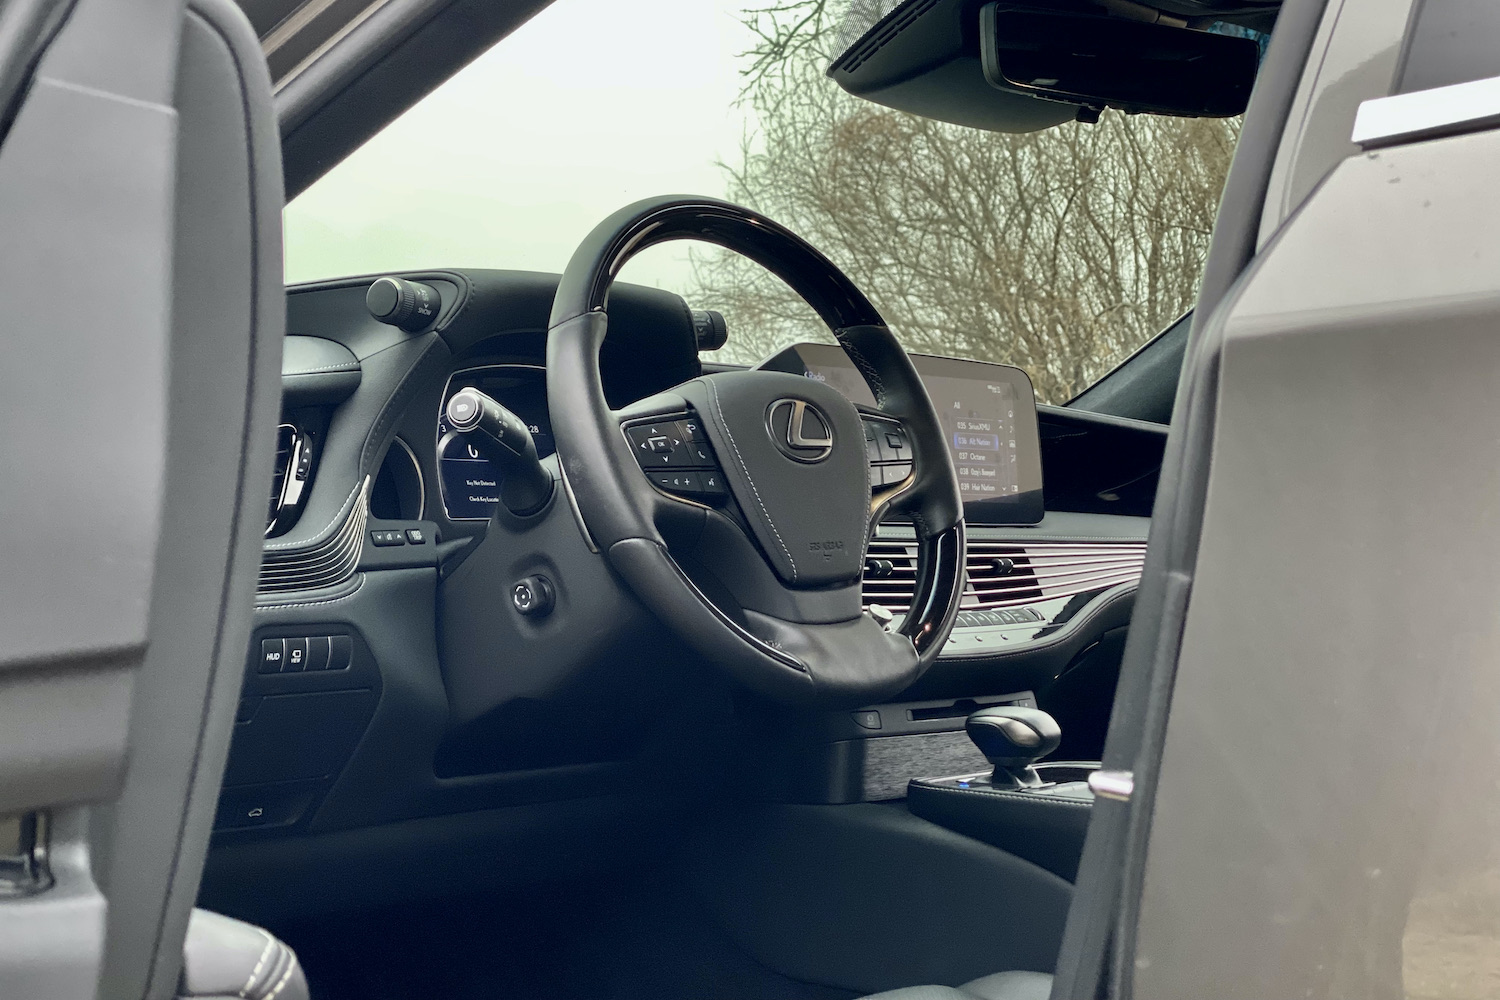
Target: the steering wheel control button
(532, 596)
(296, 656)
(416, 536)
(893, 474)
(658, 444)
(340, 652)
(713, 483)
(272, 655)
(690, 430)
(384, 538)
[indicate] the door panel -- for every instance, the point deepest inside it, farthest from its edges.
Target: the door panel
(1335, 705)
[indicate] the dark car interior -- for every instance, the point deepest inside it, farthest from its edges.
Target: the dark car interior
(584, 665)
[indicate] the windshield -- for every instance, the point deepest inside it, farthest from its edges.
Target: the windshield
(1060, 251)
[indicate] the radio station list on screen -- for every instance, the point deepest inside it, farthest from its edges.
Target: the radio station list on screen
(978, 418)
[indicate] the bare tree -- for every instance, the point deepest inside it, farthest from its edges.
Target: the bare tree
(1060, 251)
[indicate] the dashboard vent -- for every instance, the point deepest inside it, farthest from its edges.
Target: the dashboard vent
(286, 439)
(1006, 574)
(322, 563)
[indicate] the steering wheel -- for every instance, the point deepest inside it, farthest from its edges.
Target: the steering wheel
(771, 589)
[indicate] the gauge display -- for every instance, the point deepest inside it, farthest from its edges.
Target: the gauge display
(469, 482)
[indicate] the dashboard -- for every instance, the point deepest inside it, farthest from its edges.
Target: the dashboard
(389, 506)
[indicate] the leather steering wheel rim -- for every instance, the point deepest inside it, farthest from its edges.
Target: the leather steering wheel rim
(848, 661)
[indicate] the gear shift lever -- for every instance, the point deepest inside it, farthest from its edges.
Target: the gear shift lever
(1013, 739)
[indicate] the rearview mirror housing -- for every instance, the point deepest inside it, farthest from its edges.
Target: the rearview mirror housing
(983, 65)
(1102, 62)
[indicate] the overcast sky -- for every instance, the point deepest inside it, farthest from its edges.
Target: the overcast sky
(591, 105)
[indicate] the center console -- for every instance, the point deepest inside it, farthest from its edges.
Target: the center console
(1035, 811)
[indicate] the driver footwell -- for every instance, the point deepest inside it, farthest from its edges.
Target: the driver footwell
(613, 940)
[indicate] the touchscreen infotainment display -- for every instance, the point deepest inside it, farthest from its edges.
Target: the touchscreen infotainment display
(988, 413)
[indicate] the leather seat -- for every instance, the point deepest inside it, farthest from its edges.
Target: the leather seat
(228, 959)
(1000, 986)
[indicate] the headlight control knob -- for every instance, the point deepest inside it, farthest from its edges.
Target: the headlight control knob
(410, 305)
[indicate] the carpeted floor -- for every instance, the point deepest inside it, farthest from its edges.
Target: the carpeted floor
(646, 941)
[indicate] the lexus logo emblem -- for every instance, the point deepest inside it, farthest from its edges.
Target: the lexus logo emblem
(800, 430)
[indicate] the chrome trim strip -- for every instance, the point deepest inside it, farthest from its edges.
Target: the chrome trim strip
(421, 479)
(1426, 114)
(1117, 786)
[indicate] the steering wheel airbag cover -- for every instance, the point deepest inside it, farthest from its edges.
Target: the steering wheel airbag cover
(810, 518)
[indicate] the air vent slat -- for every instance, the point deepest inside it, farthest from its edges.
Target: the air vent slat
(323, 564)
(285, 435)
(1041, 571)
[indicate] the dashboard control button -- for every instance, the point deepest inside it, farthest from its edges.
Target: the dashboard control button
(272, 654)
(383, 538)
(340, 652)
(317, 653)
(532, 596)
(296, 656)
(416, 536)
(867, 720)
(411, 305)
(257, 807)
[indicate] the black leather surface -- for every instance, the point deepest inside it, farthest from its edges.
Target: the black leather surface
(315, 370)
(810, 542)
(228, 959)
(1045, 826)
(838, 665)
(871, 898)
(933, 502)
